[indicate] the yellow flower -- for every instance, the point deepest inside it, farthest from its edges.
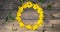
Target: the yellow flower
(35, 6)
(18, 19)
(21, 24)
(35, 27)
(29, 4)
(40, 10)
(20, 9)
(40, 22)
(41, 16)
(18, 14)
(28, 27)
(24, 5)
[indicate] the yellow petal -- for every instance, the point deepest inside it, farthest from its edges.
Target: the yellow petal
(18, 14)
(40, 22)
(28, 27)
(35, 27)
(40, 11)
(18, 19)
(29, 4)
(36, 6)
(41, 16)
(20, 9)
(24, 5)
(21, 24)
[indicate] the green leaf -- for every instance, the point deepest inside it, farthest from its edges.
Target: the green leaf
(49, 7)
(12, 18)
(6, 19)
(42, 1)
(21, 1)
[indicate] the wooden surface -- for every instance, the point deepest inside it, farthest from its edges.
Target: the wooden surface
(29, 16)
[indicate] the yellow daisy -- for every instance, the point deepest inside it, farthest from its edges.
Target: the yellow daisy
(20, 9)
(21, 24)
(24, 5)
(35, 27)
(40, 22)
(18, 14)
(35, 6)
(29, 4)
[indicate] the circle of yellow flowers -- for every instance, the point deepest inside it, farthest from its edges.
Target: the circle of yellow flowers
(39, 22)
